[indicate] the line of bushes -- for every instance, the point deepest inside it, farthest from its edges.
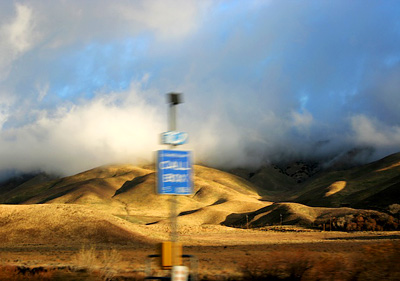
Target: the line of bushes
(367, 221)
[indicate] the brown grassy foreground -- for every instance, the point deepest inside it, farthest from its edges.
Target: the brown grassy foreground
(223, 254)
(77, 242)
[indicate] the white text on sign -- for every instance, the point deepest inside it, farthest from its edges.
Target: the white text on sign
(175, 178)
(174, 165)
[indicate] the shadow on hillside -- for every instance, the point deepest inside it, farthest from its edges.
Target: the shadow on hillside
(128, 185)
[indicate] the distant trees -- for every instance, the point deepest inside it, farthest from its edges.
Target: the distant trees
(363, 221)
(394, 209)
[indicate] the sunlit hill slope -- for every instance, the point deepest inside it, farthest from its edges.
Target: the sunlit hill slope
(373, 186)
(118, 203)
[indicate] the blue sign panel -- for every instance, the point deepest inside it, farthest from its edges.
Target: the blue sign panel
(174, 172)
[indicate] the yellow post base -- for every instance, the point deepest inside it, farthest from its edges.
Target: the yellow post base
(171, 254)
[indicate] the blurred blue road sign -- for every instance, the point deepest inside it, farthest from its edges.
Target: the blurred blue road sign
(174, 172)
(174, 137)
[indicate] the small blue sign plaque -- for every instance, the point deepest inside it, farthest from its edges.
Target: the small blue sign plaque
(174, 172)
(174, 138)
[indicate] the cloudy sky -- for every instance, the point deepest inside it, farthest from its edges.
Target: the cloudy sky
(83, 83)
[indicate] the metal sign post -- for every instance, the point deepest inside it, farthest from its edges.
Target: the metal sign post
(174, 100)
(174, 177)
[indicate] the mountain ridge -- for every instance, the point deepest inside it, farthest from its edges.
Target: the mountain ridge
(221, 198)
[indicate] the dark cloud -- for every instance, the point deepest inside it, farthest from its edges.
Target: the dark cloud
(262, 80)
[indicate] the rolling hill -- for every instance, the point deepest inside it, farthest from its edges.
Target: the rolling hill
(372, 186)
(116, 202)
(129, 191)
(59, 224)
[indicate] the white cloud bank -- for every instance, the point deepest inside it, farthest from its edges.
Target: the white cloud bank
(83, 83)
(102, 131)
(371, 132)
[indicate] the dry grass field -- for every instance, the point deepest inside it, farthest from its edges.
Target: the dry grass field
(103, 223)
(246, 255)
(75, 242)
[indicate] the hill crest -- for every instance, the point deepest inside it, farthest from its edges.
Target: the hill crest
(127, 193)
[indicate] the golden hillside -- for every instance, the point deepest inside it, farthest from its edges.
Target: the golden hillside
(118, 203)
(65, 224)
(129, 191)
